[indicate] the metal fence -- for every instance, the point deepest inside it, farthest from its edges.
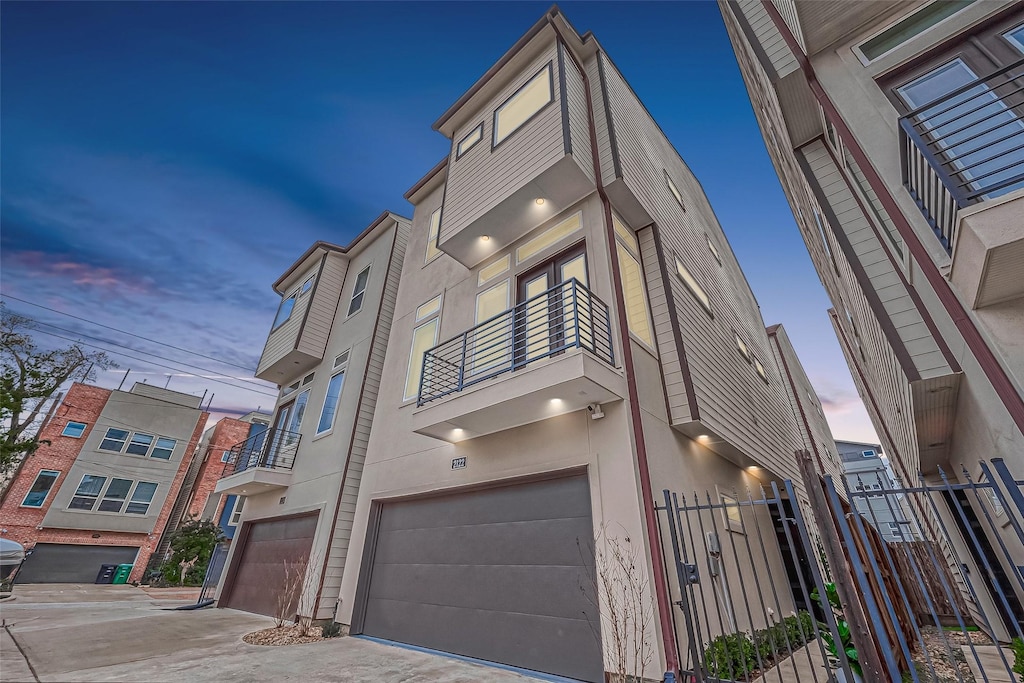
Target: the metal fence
(766, 592)
(965, 146)
(214, 570)
(564, 317)
(272, 448)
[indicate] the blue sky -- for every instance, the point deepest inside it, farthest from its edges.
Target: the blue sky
(163, 163)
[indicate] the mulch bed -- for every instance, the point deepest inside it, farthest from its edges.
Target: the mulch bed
(285, 635)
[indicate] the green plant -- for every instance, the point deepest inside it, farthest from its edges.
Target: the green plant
(731, 655)
(193, 540)
(1018, 657)
(331, 629)
(845, 643)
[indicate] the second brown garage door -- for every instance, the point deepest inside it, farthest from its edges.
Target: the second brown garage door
(258, 571)
(502, 574)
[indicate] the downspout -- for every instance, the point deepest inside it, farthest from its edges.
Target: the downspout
(650, 520)
(990, 365)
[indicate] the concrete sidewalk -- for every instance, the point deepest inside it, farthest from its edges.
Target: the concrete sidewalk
(121, 633)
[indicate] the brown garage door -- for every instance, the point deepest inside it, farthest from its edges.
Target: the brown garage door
(502, 574)
(258, 573)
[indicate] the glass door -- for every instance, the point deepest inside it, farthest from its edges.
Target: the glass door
(547, 322)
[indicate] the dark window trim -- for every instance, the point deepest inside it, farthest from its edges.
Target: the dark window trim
(459, 155)
(551, 100)
(64, 432)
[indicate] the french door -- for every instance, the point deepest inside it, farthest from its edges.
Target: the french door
(547, 319)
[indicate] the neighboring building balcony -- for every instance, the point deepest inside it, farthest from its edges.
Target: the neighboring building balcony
(962, 158)
(549, 355)
(260, 463)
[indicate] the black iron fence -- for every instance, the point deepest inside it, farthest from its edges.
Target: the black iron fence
(271, 449)
(564, 317)
(964, 147)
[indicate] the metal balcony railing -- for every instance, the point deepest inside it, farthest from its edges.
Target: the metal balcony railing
(270, 449)
(564, 317)
(965, 147)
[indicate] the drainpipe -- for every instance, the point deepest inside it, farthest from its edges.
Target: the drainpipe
(650, 520)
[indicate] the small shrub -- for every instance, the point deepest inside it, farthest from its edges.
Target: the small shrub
(192, 546)
(1018, 657)
(331, 629)
(731, 655)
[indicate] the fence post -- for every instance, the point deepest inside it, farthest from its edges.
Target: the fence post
(860, 629)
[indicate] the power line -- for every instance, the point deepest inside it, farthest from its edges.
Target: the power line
(146, 353)
(130, 334)
(159, 365)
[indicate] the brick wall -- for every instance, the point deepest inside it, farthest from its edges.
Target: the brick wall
(226, 434)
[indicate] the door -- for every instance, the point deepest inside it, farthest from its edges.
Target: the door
(549, 320)
(67, 563)
(503, 574)
(285, 438)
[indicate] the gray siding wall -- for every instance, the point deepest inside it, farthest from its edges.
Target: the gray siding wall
(323, 307)
(483, 177)
(338, 550)
(732, 399)
(576, 101)
(283, 339)
(594, 67)
(771, 40)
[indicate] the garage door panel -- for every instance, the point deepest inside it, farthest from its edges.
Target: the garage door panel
(537, 542)
(542, 590)
(570, 646)
(503, 574)
(543, 500)
(70, 563)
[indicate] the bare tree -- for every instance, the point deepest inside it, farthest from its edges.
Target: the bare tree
(289, 591)
(29, 377)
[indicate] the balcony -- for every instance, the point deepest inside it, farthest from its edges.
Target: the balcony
(962, 158)
(261, 463)
(538, 346)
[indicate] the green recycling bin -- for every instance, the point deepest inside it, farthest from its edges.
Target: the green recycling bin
(122, 573)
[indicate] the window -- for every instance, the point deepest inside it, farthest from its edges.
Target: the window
(744, 351)
(549, 237)
(471, 139)
(675, 191)
(1016, 37)
(307, 285)
(74, 429)
(868, 454)
(423, 338)
(731, 513)
(428, 309)
(141, 498)
(713, 249)
(894, 529)
(326, 423)
(902, 31)
(163, 449)
(521, 106)
(87, 493)
(760, 369)
(692, 285)
(359, 291)
(492, 344)
(284, 311)
(225, 456)
(36, 495)
(236, 511)
(489, 272)
(634, 291)
(114, 440)
(139, 445)
(116, 494)
(435, 228)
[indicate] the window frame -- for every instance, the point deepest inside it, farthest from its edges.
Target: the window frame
(356, 292)
(742, 347)
(690, 282)
(713, 249)
(433, 319)
(461, 151)
(857, 49)
(632, 251)
(759, 368)
(306, 285)
(433, 234)
(64, 432)
(674, 191)
(278, 321)
(131, 442)
(106, 490)
(549, 68)
(56, 476)
(235, 517)
(226, 456)
(77, 494)
(157, 447)
(149, 503)
(340, 369)
(107, 437)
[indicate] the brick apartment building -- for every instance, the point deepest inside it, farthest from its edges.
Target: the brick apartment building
(101, 488)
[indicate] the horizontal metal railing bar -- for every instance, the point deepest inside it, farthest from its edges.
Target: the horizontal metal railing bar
(964, 169)
(989, 189)
(271, 449)
(991, 173)
(960, 115)
(934, 139)
(968, 86)
(918, 489)
(723, 506)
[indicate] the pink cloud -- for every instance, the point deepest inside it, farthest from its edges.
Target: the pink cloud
(111, 280)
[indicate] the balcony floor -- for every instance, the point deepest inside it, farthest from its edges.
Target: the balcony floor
(253, 481)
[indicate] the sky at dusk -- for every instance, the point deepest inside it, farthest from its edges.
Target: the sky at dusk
(164, 163)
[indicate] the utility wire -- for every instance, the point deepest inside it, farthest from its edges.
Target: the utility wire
(258, 383)
(130, 334)
(159, 365)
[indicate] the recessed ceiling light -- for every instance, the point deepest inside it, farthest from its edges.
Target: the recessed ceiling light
(556, 401)
(485, 238)
(458, 432)
(539, 201)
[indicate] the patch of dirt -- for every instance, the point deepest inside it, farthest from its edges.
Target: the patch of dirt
(943, 669)
(285, 635)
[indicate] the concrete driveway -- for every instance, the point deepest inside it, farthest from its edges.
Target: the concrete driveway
(65, 632)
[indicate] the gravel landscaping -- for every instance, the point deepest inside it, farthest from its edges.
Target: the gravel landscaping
(285, 635)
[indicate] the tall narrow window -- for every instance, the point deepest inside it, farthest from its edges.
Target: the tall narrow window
(638, 317)
(36, 495)
(435, 228)
(236, 512)
(523, 104)
(359, 291)
(693, 286)
(87, 493)
(326, 423)
(116, 494)
(492, 343)
(423, 337)
(675, 191)
(141, 498)
(284, 311)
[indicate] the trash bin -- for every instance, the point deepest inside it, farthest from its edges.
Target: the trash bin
(106, 574)
(122, 573)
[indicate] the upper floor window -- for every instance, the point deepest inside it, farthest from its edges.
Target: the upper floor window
(236, 511)
(465, 144)
(538, 92)
(675, 191)
(87, 493)
(36, 495)
(141, 498)
(359, 291)
(326, 423)
(115, 495)
(1016, 37)
(225, 456)
(139, 444)
(868, 454)
(114, 440)
(284, 312)
(902, 31)
(742, 347)
(760, 370)
(634, 290)
(549, 237)
(74, 429)
(424, 336)
(693, 286)
(493, 270)
(713, 249)
(307, 285)
(163, 448)
(435, 227)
